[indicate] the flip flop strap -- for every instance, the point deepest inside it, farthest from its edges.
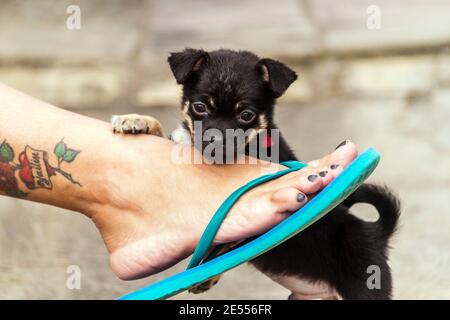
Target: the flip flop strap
(213, 226)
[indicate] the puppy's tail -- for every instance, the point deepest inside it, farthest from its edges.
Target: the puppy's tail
(386, 203)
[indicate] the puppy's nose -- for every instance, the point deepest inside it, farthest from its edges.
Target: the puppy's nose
(215, 138)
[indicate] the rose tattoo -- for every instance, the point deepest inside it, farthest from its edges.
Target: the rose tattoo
(33, 168)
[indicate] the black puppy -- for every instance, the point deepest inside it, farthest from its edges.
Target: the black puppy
(227, 89)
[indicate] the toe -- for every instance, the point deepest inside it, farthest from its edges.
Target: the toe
(343, 155)
(331, 165)
(335, 169)
(325, 175)
(306, 180)
(288, 199)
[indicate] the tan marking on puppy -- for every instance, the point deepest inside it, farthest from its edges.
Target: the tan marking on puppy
(135, 124)
(184, 113)
(237, 106)
(185, 107)
(252, 135)
(262, 122)
(262, 126)
(211, 102)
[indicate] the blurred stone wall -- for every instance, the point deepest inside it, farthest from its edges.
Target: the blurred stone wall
(118, 57)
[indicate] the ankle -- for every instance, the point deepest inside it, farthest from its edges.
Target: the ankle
(103, 188)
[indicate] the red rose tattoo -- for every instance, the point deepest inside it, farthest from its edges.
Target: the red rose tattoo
(8, 182)
(34, 169)
(7, 179)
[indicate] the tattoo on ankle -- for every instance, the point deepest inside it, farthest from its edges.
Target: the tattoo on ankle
(33, 169)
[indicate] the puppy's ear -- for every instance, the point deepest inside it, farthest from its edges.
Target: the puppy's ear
(184, 63)
(277, 75)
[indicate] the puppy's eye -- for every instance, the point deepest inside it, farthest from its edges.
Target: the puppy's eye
(246, 116)
(199, 108)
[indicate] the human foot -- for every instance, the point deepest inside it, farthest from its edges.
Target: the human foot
(154, 226)
(264, 207)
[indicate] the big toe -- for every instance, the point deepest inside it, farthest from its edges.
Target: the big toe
(336, 161)
(344, 154)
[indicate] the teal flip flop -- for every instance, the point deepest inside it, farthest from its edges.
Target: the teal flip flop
(201, 269)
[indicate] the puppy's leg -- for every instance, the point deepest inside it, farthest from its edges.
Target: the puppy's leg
(305, 290)
(135, 124)
(205, 286)
(299, 296)
(208, 284)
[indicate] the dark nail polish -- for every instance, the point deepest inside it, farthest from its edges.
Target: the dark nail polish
(343, 143)
(301, 197)
(312, 177)
(334, 166)
(323, 173)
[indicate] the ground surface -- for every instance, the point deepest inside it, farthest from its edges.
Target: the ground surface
(37, 242)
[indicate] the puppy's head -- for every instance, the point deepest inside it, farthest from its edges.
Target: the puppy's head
(225, 90)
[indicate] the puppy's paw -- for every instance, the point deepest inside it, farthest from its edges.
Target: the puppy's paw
(208, 284)
(204, 286)
(136, 124)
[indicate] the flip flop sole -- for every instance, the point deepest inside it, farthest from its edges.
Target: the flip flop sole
(332, 195)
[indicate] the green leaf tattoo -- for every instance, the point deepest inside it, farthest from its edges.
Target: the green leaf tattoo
(6, 152)
(65, 154)
(70, 155)
(60, 149)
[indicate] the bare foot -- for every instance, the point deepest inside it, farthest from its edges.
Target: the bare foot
(262, 208)
(156, 221)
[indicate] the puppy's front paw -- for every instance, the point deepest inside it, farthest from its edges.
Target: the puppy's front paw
(204, 286)
(135, 124)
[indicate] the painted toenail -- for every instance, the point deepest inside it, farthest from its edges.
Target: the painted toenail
(301, 197)
(323, 173)
(334, 166)
(312, 177)
(343, 143)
